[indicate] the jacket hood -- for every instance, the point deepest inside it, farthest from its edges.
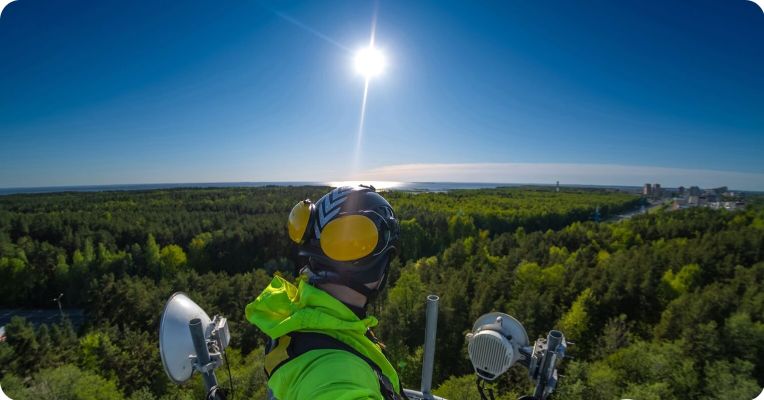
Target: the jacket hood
(283, 307)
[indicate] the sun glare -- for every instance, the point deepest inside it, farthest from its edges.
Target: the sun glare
(370, 62)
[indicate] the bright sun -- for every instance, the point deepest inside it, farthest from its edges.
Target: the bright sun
(370, 62)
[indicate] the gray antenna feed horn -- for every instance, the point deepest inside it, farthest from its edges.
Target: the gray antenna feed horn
(498, 341)
(495, 344)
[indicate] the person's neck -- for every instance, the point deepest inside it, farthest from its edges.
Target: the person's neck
(344, 294)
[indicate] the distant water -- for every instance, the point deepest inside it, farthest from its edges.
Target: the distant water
(402, 186)
(146, 186)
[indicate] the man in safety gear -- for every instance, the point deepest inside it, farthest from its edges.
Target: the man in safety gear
(322, 346)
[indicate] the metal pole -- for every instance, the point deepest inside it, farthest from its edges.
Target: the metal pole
(553, 339)
(60, 308)
(202, 353)
(431, 329)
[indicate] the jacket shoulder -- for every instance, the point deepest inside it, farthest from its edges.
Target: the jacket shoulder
(325, 374)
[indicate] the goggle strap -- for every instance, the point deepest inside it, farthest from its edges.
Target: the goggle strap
(329, 277)
(360, 288)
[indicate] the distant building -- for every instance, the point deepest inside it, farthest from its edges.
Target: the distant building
(657, 191)
(694, 191)
(710, 196)
(710, 200)
(679, 203)
(647, 190)
(720, 190)
(558, 187)
(680, 190)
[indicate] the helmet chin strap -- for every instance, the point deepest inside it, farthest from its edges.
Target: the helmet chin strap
(324, 276)
(373, 297)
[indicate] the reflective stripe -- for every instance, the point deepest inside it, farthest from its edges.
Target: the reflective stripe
(278, 355)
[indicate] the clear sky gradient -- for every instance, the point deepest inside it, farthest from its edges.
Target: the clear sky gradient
(610, 92)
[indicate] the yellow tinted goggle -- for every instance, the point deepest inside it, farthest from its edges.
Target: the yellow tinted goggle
(345, 238)
(349, 237)
(299, 219)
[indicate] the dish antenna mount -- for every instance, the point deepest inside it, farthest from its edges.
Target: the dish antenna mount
(190, 341)
(498, 341)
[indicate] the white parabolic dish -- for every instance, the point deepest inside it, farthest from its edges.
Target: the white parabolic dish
(175, 344)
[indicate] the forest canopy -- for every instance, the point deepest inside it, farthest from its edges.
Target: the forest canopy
(667, 305)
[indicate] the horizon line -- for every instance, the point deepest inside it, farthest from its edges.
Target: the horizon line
(233, 184)
(582, 174)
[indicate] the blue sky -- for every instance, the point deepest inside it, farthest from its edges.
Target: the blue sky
(102, 92)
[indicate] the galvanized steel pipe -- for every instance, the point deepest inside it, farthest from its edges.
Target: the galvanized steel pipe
(202, 353)
(431, 329)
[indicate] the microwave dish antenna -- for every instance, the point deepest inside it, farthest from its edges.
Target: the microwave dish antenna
(190, 341)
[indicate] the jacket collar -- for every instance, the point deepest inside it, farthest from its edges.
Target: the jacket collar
(283, 307)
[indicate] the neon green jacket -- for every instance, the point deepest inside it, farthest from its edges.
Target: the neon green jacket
(319, 374)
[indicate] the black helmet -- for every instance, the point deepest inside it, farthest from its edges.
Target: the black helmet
(349, 236)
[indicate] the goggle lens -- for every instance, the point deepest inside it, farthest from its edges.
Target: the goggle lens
(349, 238)
(298, 221)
